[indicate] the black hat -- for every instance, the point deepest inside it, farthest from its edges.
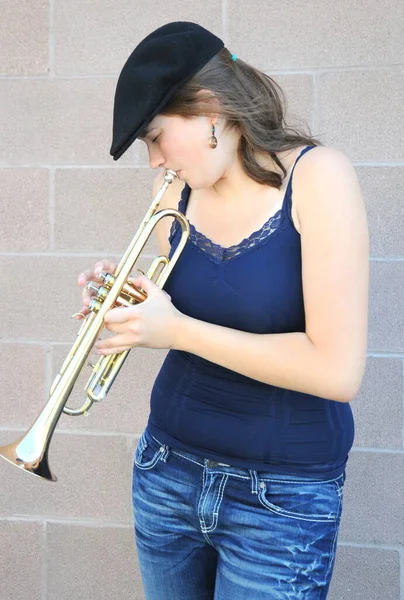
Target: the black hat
(155, 70)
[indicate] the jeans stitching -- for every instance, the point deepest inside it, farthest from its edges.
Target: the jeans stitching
(300, 481)
(201, 464)
(290, 514)
(142, 443)
(334, 541)
(203, 504)
(187, 458)
(254, 482)
(149, 465)
(200, 514)
(218, 502)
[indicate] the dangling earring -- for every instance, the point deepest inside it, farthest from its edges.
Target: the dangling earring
(213, 139)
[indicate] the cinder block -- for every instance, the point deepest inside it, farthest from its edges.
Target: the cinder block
(382, 192)
(21, 560)
(373, 499)
(25, 38)
(41, 295)
(369, 573)
(126, 407)
(331, 34)
(378, 407)
(22, 371)
(358, 116)
(57, 121)
(299, 97)
(100, 210)
(386, 307)
(94, 481)
(103, 560)
(24, 205)
(94, 38)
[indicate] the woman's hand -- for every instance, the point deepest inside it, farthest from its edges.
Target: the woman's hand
(91, 275)
(154, 323)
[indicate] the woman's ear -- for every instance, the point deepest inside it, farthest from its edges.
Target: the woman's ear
(208, 99)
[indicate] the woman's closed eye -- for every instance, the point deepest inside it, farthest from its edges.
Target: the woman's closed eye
(155, 138)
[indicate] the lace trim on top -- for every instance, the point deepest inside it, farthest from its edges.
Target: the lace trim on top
(219, 253)
(216, 252)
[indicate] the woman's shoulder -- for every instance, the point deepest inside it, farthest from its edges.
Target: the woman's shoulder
(315, 163)
(317, 175)
(321, 156)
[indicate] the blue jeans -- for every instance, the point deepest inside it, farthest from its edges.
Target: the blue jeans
(209, 531)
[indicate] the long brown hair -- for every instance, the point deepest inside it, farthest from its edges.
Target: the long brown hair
(252, 104)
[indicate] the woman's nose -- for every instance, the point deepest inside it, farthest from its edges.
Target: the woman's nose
(156, 159)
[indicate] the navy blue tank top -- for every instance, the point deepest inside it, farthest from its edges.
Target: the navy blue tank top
(200, 407)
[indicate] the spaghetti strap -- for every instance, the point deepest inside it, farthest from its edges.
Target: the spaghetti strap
(182, 207)
(182, 204)
(289, 189)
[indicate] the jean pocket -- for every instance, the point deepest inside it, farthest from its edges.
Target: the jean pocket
(317, 501)
(148, 454)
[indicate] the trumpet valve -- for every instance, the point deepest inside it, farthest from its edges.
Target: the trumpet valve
(107, 278)
(92, 286)
(94, 305)
(102, 292)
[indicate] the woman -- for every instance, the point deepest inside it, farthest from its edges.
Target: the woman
(238, 477)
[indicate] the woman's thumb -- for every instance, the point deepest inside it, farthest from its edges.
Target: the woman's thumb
(143, 282)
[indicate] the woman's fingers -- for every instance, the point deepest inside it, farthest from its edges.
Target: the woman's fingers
(92, 275)
(104, 265)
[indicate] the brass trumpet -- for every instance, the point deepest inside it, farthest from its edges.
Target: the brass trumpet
(30, 452)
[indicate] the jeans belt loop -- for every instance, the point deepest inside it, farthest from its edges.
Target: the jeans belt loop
(254, 482)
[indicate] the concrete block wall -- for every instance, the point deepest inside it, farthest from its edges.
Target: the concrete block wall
(65, 204)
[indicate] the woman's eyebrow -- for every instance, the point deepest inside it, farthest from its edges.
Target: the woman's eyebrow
(146, 131)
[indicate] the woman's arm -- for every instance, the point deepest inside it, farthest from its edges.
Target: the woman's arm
(329, 359)
(287, 360)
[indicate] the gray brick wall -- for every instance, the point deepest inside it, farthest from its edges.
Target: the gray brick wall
(65, 203)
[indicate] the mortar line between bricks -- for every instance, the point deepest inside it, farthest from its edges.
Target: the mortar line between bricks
(402, 393)
(387, 259)
(44, 566)
(36, 342)
(48, 372)
(64, 253)
(303, 70)
(123, 525)
(314, 116)
(134, 434)
(225, 24)
(66, 521)
(131, 435)
(371, 546)
(51, 209)
(40, 165)
(28, 342)
(386, 354)
(51, 41)
(365, 450)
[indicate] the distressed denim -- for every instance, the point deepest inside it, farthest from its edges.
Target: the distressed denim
(208, 531)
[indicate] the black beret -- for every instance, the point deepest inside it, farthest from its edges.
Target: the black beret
(155, 70)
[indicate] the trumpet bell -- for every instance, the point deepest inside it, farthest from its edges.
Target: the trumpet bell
(19, 454)
(30, 452)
